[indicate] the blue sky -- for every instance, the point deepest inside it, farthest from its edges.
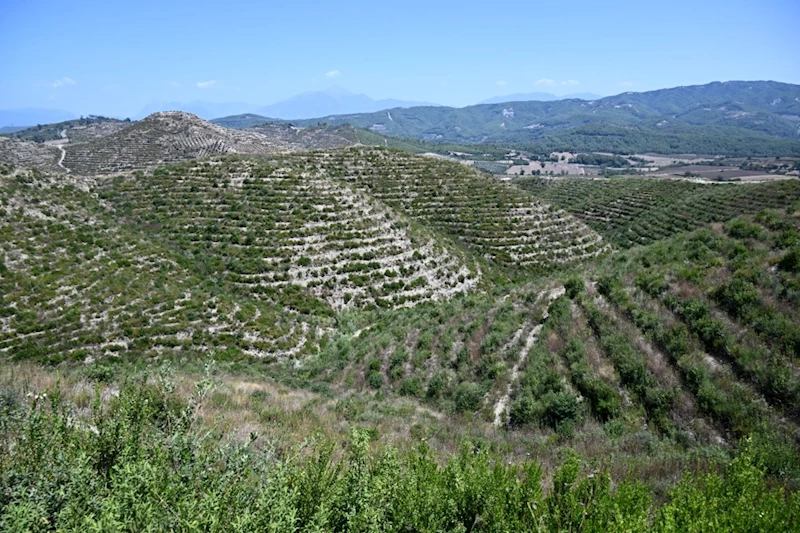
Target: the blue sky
(114, 57)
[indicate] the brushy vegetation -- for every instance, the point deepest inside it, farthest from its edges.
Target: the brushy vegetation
(140, 462)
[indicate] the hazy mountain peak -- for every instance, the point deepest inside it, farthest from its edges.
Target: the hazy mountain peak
(338, 92)
(332, 101)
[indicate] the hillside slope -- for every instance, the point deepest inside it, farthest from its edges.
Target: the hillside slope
(176, 136)
(162, 138)
(693, 339)
(231, 257)
(16, 153)
(77, 130)
(727, 117)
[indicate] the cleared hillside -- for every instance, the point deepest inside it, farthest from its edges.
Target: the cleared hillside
(229, 256)
(170, 137)
(77, 285)
(310, 138)
(26, 154)
(643, 324)
(162, 138)
(631, 211)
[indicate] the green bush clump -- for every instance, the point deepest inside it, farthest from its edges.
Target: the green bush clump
(560, 410)
(632, 367)
(603, 399)
(791, 261)
(574, 287)
(468, 397)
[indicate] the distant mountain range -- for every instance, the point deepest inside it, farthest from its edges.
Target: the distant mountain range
(333, 101)
(539, 97)
(737, 117)
(730, 118)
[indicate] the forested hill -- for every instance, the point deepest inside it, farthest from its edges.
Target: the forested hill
(735, 118)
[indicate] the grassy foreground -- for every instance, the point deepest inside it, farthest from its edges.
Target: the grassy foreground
(142, 461)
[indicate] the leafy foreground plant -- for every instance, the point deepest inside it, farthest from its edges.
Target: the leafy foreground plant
(140, 463)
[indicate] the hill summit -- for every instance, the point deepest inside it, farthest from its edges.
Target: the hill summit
(173, 136)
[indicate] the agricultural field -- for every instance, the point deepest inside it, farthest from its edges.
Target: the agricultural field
(641, 350)
(25, 154)
(284, 247)
(342, 332)
(274, 230)
(631, 211)
(79, 286)
(492, 219)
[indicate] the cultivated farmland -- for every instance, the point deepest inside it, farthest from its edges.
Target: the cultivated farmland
(631, 211)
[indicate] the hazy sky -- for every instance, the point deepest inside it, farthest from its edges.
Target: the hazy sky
(113, 57)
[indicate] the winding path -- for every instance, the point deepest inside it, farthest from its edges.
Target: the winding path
(60, 145)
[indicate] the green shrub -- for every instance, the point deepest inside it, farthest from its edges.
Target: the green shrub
(559, 409)
(574, 287)
(741, 228)
(524, 410)
(412, 387)
(790, 262)
(374, 379)
(468, 397)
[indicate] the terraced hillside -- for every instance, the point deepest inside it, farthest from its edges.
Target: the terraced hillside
(175, 136)
(162, 138)
(490, 218)
(25, 154)
(237, 255)
(720, 309)
(631, 211)
(229, 255)
(383, 284)
(77, 285)
(272, 230)
(311, 138)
